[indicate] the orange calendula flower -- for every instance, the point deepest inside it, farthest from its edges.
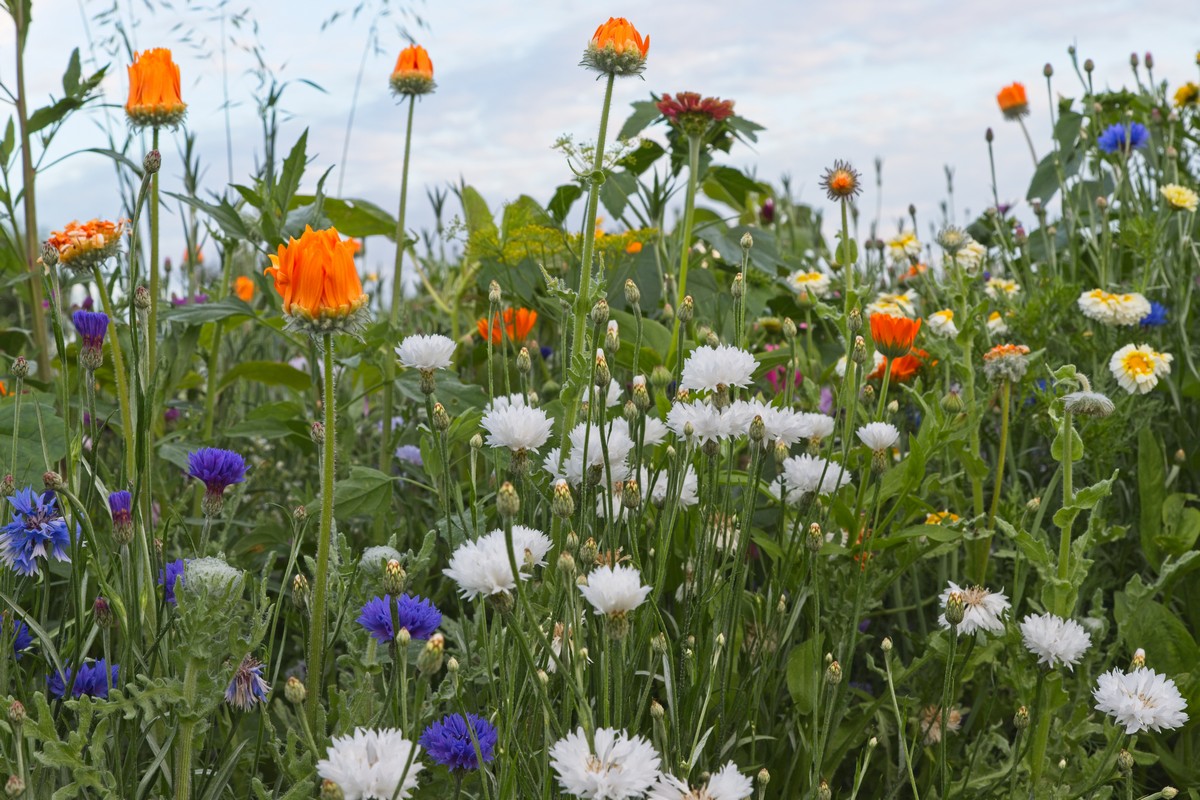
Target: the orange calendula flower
(1013, 102)
(413, 73)
(904, 368)
(517, 325)
(893, 336)
(1187, 95)
(616, 48)
(198, 255)
(3, 390)
(243, 287)
(154, 97)
(915, 271)
(82, 245)
(316, 278)
(1006, 362)
(1005, 351)
(633, 248)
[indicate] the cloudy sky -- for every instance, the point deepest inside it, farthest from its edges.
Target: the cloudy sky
(910, 81)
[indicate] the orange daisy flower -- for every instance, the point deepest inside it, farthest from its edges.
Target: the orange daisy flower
(243, 287)
(617, 48)
(320, 287)
(1013, 102)
(517, 325)
(154, 96)
(893, 336)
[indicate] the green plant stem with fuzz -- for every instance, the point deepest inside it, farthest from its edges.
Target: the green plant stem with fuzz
(685, 242)
(984, 549)
(41, 338)
(119, 377)
(183, 755)
(944, 711)
(571, 407)
(1062, 599)
(389, 358)
(901, 724)
(152, 318)
(844, 250)
(1041, 736)
(316, 643)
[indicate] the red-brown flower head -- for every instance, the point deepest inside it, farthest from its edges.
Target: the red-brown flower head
(693, 113)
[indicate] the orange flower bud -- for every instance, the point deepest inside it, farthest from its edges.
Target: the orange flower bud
(893, 336)
(316, 278)
(243, 287)
(617, 48)
(154, 97)
(414, 72)
(1013, 101)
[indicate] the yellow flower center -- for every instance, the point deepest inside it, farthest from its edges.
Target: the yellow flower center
(1137, 363)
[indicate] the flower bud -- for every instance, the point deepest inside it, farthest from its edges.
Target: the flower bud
(394, 578)
(612, 338)
(631, 496)
(477, 442)
(331, 791)
(49, 256)
(1088, 66)
(893, 406)
(317, 433)
(452, 665)
(886, 645)
(711, 339)
(508, 503)
(588, 551)
(566, 565)
(403, 637)
(858, 353)
(1021, 718)
(823, 791)
(494, 295)
(633, 295)
(855, 321)
(952, 402)
(989, 136)
(141, 298)
(789, 328)
(1170, 793)
(738, 289)
(782, 451)
(16, 713)
(660, 378)
(152, 163)
(103, 613)
(600, 312)
(1139, 659)
(301, 593)
(657, 712)
(430, 660)
(563, 505)
(15, 786)
(53, 481)
(687, 310)
(833, 673)
(815, 540)
(763, 777)
(1048, 70)
(441, 418)
(956, 608)
(524, 362)
(294, 691)
(603, 376)
(868, 394)
(300, 513)
(1125, 761)
(20, 367)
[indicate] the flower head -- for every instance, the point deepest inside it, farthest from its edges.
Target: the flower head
(93, 680)
(218, 469)
(996, 324)
(1156, 317)
(1054, 639)
(726, 783)
(904, 248)
(707, 422)
(92, 326)
(316, 278)
(1137, 368)
(482, 567)
(709, 368)
(449, 742)
(814, 283)
(82, 245)
(893, 336)
(805, 474)
(21, 637)
(934, 724)
(154, 97)
(616, 48)
(247, 688)
(692, 113)
(1180, 198)
(1141, 700)
(895, 304)
(614, 591)
(372, 765)
(1007, 362)
(243, 287)
(841, 181)
(518, 427)
(413, 74)
(902, 369)
(1013, 102)
(1088, 404)
(1114, 309)
(418, 616)
(942, 323)
(941, 518)
(1124, 138)
(982, 610)
(37, 531)
(518, 322)
(171, 573)
(620, 767)
(426, 352)
(1187, 94)
(1001, 288)
(879, 435)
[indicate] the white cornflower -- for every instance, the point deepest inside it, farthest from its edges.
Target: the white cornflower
(817, 426)
(982, 610)
(580, 461)
(505, 401)
(614, 590)
(709, 367)
(613, 397)
(1137, 368)
(657, 488)
(840, 367)
(934, 724)
(942, 323)
(1054, 639)
(482, 567)
(813, 283)
(655, 431)
(879, 435)
(517, 427)
(426, 352)
(1114, 309)
(1001, 288)
(996, 325)
(621, 767)
(724, 784)
(372, 764)
(1141, 700)
(708, 424)
(805, 474)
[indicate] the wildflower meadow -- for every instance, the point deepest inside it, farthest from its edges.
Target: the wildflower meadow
(666, 486)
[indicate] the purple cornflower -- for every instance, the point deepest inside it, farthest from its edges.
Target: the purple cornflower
(247, 689)
(218, 469)
(21, 637)
(185, 301)
(120, 504)
(167, 577)
(88, 303)
(37, 531)
(92, 680)
(1120, 137)
(448, 741)
(171, 415)
(92, 325)
(767, 212)
(1157, 316)
(410, 454)
(416, 614)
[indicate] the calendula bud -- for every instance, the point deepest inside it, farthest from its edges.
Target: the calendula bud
(430, 660)
(1021, 718)
(141, 298)
(738, 289)
(633, 295)
(603, 376)
(103, 613)
(524, 362)
(294, 691)
(952, 402)
(152, 163)
(858, 353)
(316, 432)
(508, 503)
(600, 312)
(687, 310)
(494, 294)
(956, 608)
(16, 713)
(331, 791)
(789, 328)
(1125, 761)
(612, 337)
(815, 539)
(53, 481)
(20, 367)
(833, 673)
(301, 593)
(394, 578)
(563, 505)
(441, 418)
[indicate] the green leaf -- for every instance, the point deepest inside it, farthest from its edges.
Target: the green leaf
(292, 172)
(564, 197)
(1056, 447)
(478, 216)
(804, 673)
(1181, 525)
(200, 313)
(272, 373)
(730, 186)
(30, 462)
(365, 492)
(644, 113)
(354, 217)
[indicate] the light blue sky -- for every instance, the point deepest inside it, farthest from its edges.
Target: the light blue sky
(911, 81)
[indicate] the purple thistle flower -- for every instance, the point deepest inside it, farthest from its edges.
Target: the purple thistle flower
(92, 326)
(217, 469)
(247, 689)
(92, 680)
(167, 577)
(37, 531)
(1120, 137)
(416, 614)
(448, 741)
(21, 637)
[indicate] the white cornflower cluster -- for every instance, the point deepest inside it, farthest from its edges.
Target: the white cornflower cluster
(482, 567)
(620, 767)
(372, 764)
(517, 427)
(588, 452)
(879, 436)
(614, 590)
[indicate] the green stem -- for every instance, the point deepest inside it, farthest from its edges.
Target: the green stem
(316, 644)
(1063, 598)
(118, 356)
(389, 359)
(685, 243)
(985, 548)
(152, 319)
(1041, 736)
(183, 763)
(944, 711)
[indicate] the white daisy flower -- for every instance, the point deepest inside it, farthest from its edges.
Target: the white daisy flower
(942, 323)
(656, 490)
(621, 766)
(1179, 197)
(840, 367)
(614, 590)
(482, 568)
(903, 304)
(1054, 639)
(879, 436)
(1137, 368)
(996, 325)
(517, 427)
(971, 257)
(708, 424)
(372, 764)
(1114, 309)
(817, 426)
(1141, 700)
(904, 247)
(804, 474)
(983, 610)
(815, 284)
(1001, 288)
(426, 352)
(580, 460)
(724, 784)
(707, 368)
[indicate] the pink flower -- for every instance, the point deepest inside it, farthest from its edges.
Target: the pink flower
(775, 376)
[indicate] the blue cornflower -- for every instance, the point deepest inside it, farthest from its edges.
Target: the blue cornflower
(37, 531)
(92, 325)
(167, 577)
(1157, 316)
(93, 680)
(21, 637)
(418, 615)
(546, 352)
(247, 689)
(218, 469)
(1121, 137)
(410, 454)
(448, 741)
(120, 505)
